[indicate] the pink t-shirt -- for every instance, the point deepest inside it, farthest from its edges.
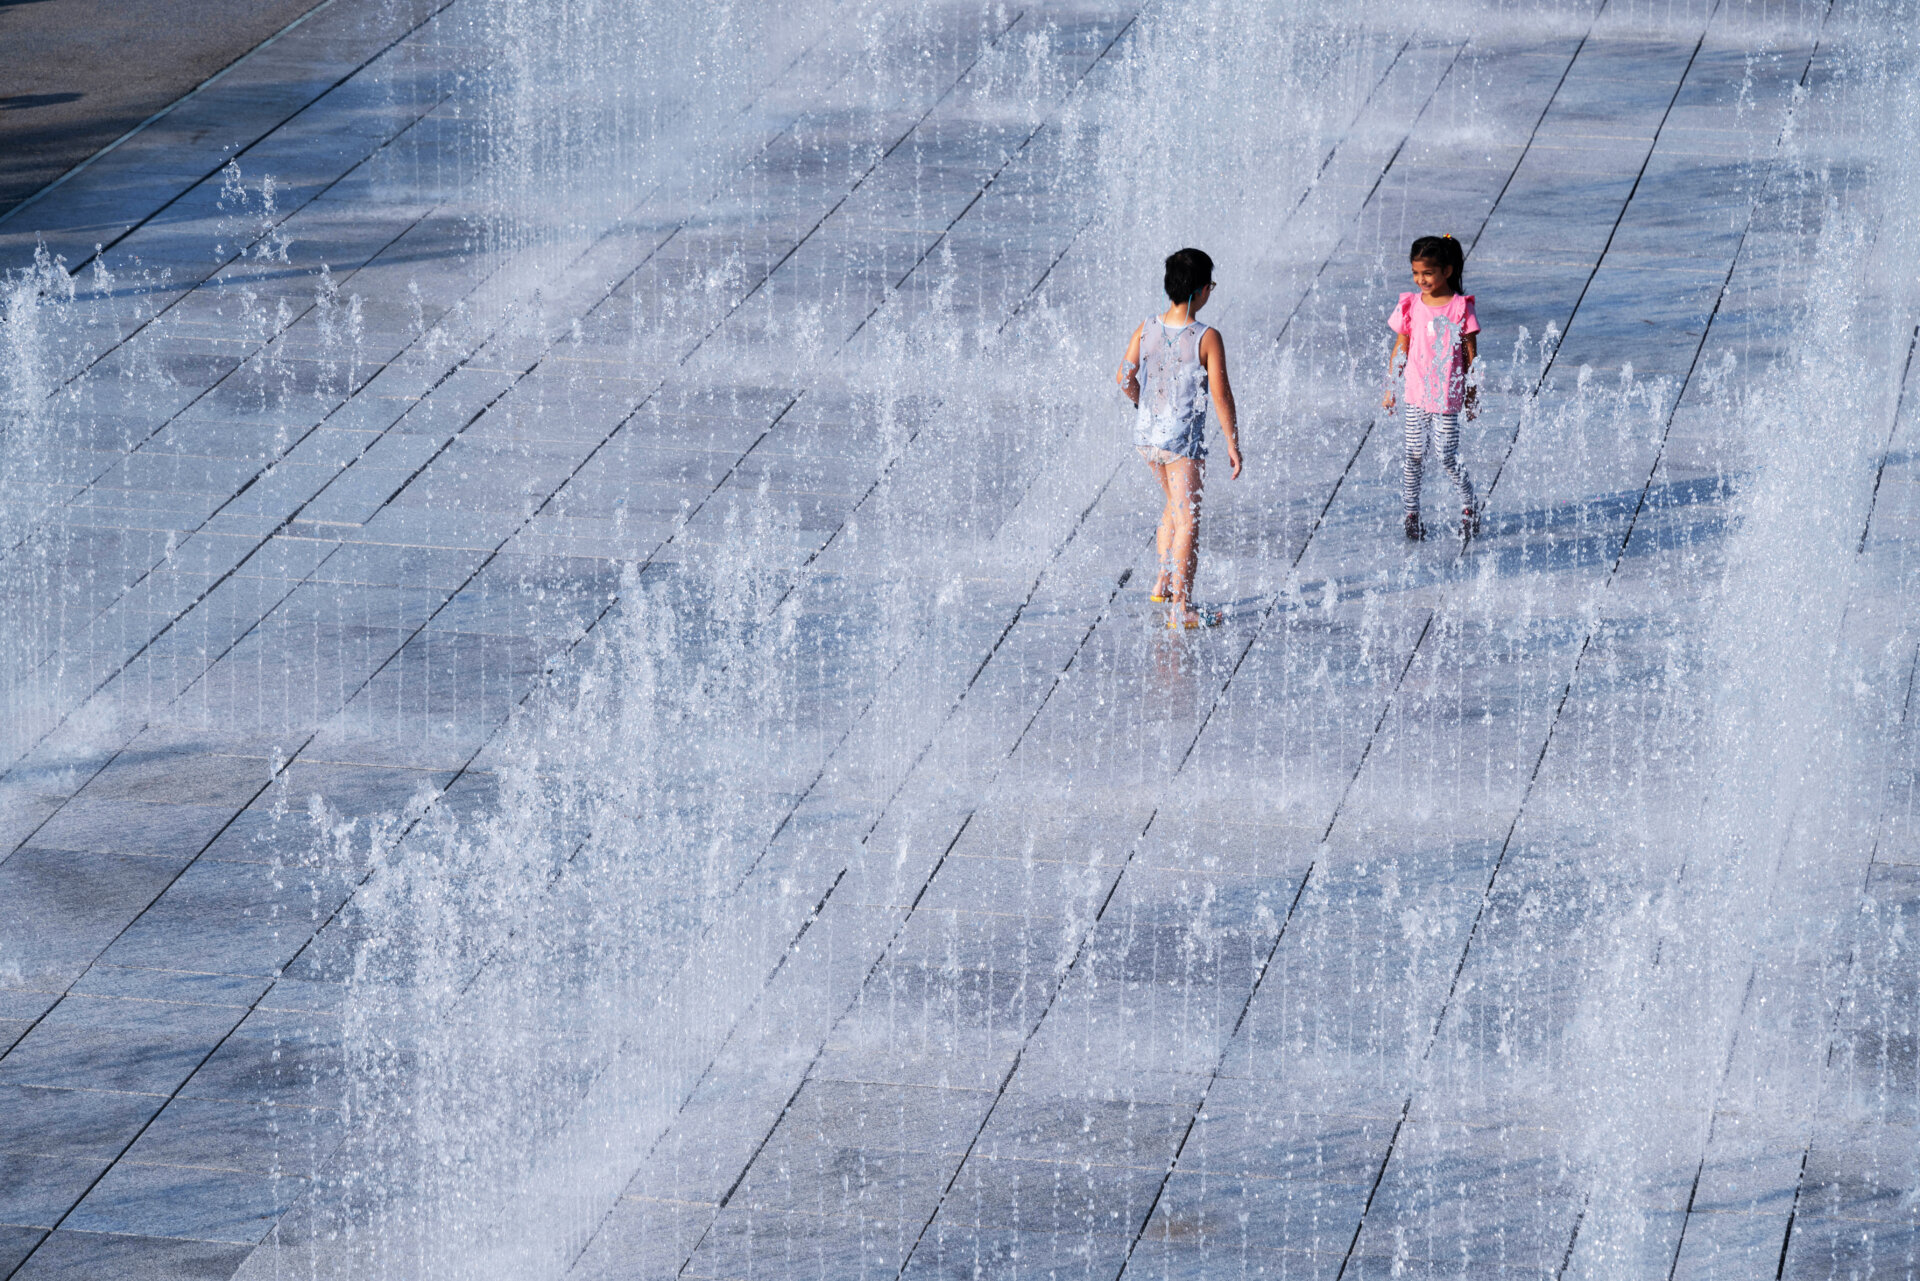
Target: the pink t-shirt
(1436, 358)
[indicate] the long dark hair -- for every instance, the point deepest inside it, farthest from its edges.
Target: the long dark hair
(1444, 252)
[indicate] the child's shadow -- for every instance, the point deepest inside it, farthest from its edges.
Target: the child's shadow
(1579, 536)
(1586, 533)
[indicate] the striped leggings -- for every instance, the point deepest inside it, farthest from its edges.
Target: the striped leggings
(1445, 429)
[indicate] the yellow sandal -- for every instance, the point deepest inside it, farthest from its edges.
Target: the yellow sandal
(1202, 617)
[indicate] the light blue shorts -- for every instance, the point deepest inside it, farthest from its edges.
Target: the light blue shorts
(1189, 442)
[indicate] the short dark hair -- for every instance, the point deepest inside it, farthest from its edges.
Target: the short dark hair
(1188, 272)
(1445, 253)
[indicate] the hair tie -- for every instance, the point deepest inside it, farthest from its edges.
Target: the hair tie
(1448, 236)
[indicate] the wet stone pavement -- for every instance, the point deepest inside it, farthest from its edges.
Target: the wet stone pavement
(1035, 941)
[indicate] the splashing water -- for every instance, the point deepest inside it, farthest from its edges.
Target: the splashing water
(772, 709)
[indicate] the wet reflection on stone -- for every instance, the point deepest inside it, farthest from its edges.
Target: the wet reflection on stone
(581, 697)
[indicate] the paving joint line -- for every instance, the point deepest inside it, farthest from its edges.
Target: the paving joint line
(208, 282)
(912, 907)
(478, 346)
(167, 110)
(1625, 541)
(1060, 676)
(674, 534)
(288, 761)
(1200, 730)
(1686, 1217)
(1220, 1064)
(1034, 288)
(1573, 1238)
(1372, 191)
(805, 1076)
(165, 559)
(382, 52)
(1313, 183)
(204, 1059)
(1534, 133)
(101, 250)
(1005, 162)
(607, 609)
(742, 301)
(1546, 367)
(1849, 992)
(908, 915)
(807, 1073)
(463, 362)
(1880, 471)
(992, 650)
(1639, 507)
(1379, 1177)
(1793, 1212)
(1426, 629)
(1026, 1042)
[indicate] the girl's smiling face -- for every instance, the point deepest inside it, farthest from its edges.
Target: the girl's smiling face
(1433, 280)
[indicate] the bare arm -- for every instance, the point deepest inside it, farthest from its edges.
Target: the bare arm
(1471, 400)
(1128, 375)
(1396, 360)
(1213, 354)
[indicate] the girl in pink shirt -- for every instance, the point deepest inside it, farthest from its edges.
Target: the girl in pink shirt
(1435, 332)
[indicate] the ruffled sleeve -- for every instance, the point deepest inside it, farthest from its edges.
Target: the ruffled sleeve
(1469, 321)
(1400, 318)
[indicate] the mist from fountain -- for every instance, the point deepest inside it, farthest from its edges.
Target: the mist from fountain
(548, 956)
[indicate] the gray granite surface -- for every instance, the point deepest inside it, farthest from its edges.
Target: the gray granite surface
(618, 732)
(78, 75)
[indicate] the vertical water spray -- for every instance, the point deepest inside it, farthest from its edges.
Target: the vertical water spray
(1718, 980)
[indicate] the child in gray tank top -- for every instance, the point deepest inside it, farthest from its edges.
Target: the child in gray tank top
(1173, 366)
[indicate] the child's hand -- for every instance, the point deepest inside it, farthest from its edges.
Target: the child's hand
(1471, 403)
(1386, 401)
(1233, 459)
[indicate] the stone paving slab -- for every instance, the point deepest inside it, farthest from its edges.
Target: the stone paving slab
(82, 75)
(269, 63)
(757, 826)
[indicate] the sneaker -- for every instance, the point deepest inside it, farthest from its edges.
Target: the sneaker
(1414, 532)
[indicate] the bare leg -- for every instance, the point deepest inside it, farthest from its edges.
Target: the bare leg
(1163, 537)
(1184, 480)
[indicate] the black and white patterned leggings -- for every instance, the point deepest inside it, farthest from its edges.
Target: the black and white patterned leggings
(1446, 434)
